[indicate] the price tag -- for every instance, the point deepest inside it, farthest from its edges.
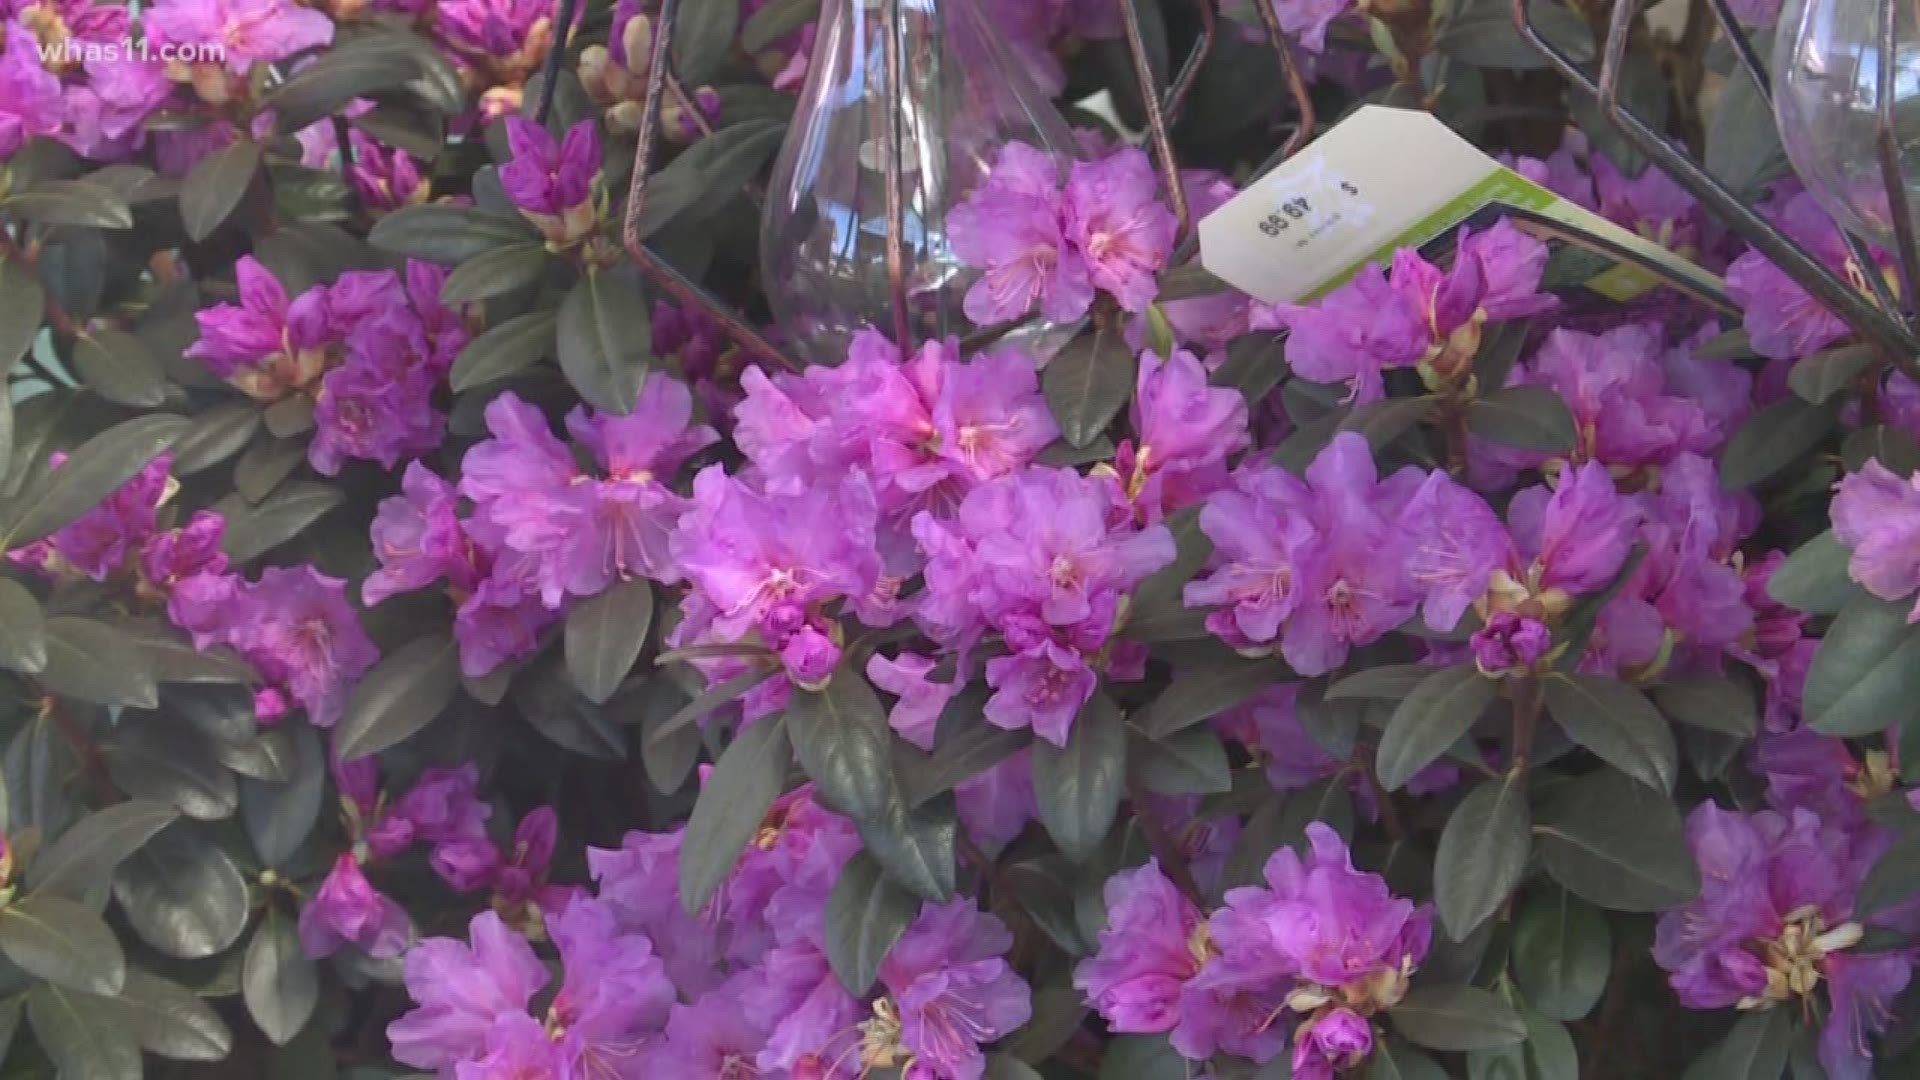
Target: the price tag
(1387, 178)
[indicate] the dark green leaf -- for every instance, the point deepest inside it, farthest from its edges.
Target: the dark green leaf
(1772, 439)
(604, 341)
(86, 1036)
(1482, 33)
(89, 475)
(401, 695)
(970, 749)
(63, 942)
(363, 65)
(1005, 1067)
(1142, 1057)
(1483, 852)
(1200, 695)
(23, 629)
(915, 846)
(551, 705)
(1255, 363)
(702, 37)
(505, 350)
(1528, 417)
(1282, 820)
(1756, 1049)
(278, 816)
(280, 985)
(1044, 888)
(1089, 383)
(710, 699)
(171, 1020)
(866, 913)
(168, 762)
(1713, 703)
(745, 781)
(1078, 786)
(700, 181)
(604, 637)
(267, 756)
(1616, 843)
(1573, 634)
(1617, 723)
(1743, 139)
(1894, 879)
(446, 234)
(22, 307)
(1382, 422)
(118, 367)
(1814, 578)
(216, 185)
(290, 416)
(1562, 952)
(1548, 1054)
(1430, 720)
(71, 202)
(1393, 1059)
(1457, 1018)
(1500, 347)
(255, 530)
(91, 661)
(775, 21)
(265, 465)
(1824, 374)
(1885, 443)
(88, 852)
(1867, 669)
(1191, 762)
(1165, 587)
(1390, 682)
(182, 894)
(495, 272)
(840, 735)
(1058, 1012)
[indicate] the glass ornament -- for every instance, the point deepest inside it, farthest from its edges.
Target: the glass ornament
(962, 94)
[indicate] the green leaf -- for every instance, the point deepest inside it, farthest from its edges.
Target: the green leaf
(85, 855)
(402, 694)
(1044, 887)
(866, 913)
(604, 637)
(446, 234)
(496, 272)
(1457, 1018)
(1089, 383)
(840, 735)
(182, 894)
(1430, 720)
(604, 340)
(915, 846)
(171, 1021)
(253, 531)
(86, 1037)
(700, 182)
(745, 781)
(1255, 363)
(1573, 634)
(1482, 33)
(1389, 682)
(1616, 843)
(1483, 853)
(71, 202)
(117, 366)
(1393, 1059)
(710, 699)
(1548, 1054)
(1885, 443)
(1814, 578)
(22, 307)
(64, 943)
(1894, 879)
(1005, 1067)
(1283, 820)
(1562, 952)
(1756, 1049)
(290, 416)
(169, 762)
(1711, 703)
(1866, 671)
(1829, 372)
(1164, 588)
(965, 750)
(1198, 696)
(173, 659)
(1617, 723)
(1528, 417)
(1774, 438)
(280, 815)
(1743, 140)
(362, 65)
(91, 661)
(702, 38)
(91, 473)
(775, 21)
(1078, 786)
(23, 629)
(1191, 762)
(1383, 422)
(1142, 1057)
(216, 185)
(505, 349)
(278, 982)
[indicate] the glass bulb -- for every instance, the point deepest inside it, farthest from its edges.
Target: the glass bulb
(1827, 98)
(823, 239)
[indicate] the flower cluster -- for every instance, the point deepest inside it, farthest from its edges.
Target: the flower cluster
(1309, 957)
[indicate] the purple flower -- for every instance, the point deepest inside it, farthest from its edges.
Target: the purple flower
(1042, 687)
(242, 32)
(265, 344)
(172, 556)
(418, 540)
(1265, 549)
(552, 182)
(1692, 528)
(615, 993)
(444, 805)
(347, 910)
(1307, 20)
(377, 406)
(99, 542)
(1782, 319)
(916, 713)
(1510, 641)
(461, 990)
(1457, 543)
(1012, 228)
(995, 805)
(1329, 1043)
(385, 179)
(1186, 429)
(105, 114)
(714, 1036)
(1154, 942)
(1114, 217)
(1876, 513)
(1577, 535)
(30, 101)
(951, 990)
(1617, 385)
(1355, 333)
(301, 634)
